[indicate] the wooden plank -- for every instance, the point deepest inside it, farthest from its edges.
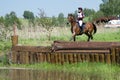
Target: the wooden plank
(107, 58)
(59, 58)
(62, 58)
(102, 58)
(118, 55)
(92, 59)
(70, 58)
(48, 57)
(88, 57)
(66, 58)
(40, 57)
(74, 58)
(32, 48)
(83, 57)
(59, 45)
(113, 53)
(96, 58)
(84, 51)
(52, 58)
(27, 57)
(79, 58)
(14, 57)
(21, 57)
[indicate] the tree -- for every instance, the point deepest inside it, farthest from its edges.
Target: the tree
(29, 15)
(11, 19)
(97, 15)
(61, 19)
(46, 22)
(105, 1)
(54, 21)
(41, 13)
(6, 25)
(1, 20)
(88, 12)
(110, 8)
(75, 13)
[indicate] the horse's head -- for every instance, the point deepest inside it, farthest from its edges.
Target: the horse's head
(71, 18)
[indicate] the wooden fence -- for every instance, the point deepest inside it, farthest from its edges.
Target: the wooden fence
(67, 52)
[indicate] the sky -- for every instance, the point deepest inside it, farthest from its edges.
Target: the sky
(50, 7)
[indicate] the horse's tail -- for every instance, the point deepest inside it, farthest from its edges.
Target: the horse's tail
(95, 28)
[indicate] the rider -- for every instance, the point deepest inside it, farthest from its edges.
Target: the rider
(80, 16)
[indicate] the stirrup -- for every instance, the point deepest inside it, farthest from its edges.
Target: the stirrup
(81, 31)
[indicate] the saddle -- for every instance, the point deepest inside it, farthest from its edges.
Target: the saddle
(83, 25)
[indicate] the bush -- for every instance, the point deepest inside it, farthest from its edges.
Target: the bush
(4, 46)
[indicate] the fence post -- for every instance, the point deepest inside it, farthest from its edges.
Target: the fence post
(118, 55)
(113, 53)
(14, 40)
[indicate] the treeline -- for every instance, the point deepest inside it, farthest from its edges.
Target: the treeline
(107, 8)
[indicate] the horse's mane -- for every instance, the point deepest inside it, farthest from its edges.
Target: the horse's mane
(70, 14)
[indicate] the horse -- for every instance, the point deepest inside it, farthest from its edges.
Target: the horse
(88, 28)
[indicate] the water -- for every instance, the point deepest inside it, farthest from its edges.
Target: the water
(23, 74)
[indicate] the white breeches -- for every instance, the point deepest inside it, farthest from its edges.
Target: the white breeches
(80, 22)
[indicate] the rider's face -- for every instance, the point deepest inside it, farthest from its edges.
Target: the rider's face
(79, 10)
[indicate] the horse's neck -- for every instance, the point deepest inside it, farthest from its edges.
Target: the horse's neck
(73, 24)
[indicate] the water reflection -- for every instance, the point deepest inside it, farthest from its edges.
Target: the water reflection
(18, 74)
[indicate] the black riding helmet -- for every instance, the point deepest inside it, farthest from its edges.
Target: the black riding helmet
(80, 8)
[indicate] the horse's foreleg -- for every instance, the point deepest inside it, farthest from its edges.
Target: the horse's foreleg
(73, 37)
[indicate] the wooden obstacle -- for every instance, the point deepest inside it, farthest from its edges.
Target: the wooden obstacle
(67, 52)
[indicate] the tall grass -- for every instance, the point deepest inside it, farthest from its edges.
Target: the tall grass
(84, 67)
(64, 33)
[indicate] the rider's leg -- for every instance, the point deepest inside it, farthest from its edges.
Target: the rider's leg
(80, 23)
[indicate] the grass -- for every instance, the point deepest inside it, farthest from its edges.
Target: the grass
(103, 34)
(4, 46)
(106, 71)
(84, 67)
(84, 71)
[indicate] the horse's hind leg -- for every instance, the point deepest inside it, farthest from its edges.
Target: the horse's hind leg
(88, 37)
(91, 37)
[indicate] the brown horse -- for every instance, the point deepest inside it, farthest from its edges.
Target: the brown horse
(76, 30)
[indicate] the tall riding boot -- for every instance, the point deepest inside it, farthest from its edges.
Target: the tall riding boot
(81, 29)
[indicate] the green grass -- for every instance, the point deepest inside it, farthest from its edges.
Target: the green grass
(84, 67)
(106, 71)
(103, 35)
(5, 46)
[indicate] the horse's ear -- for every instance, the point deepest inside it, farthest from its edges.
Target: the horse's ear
(70, 14)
